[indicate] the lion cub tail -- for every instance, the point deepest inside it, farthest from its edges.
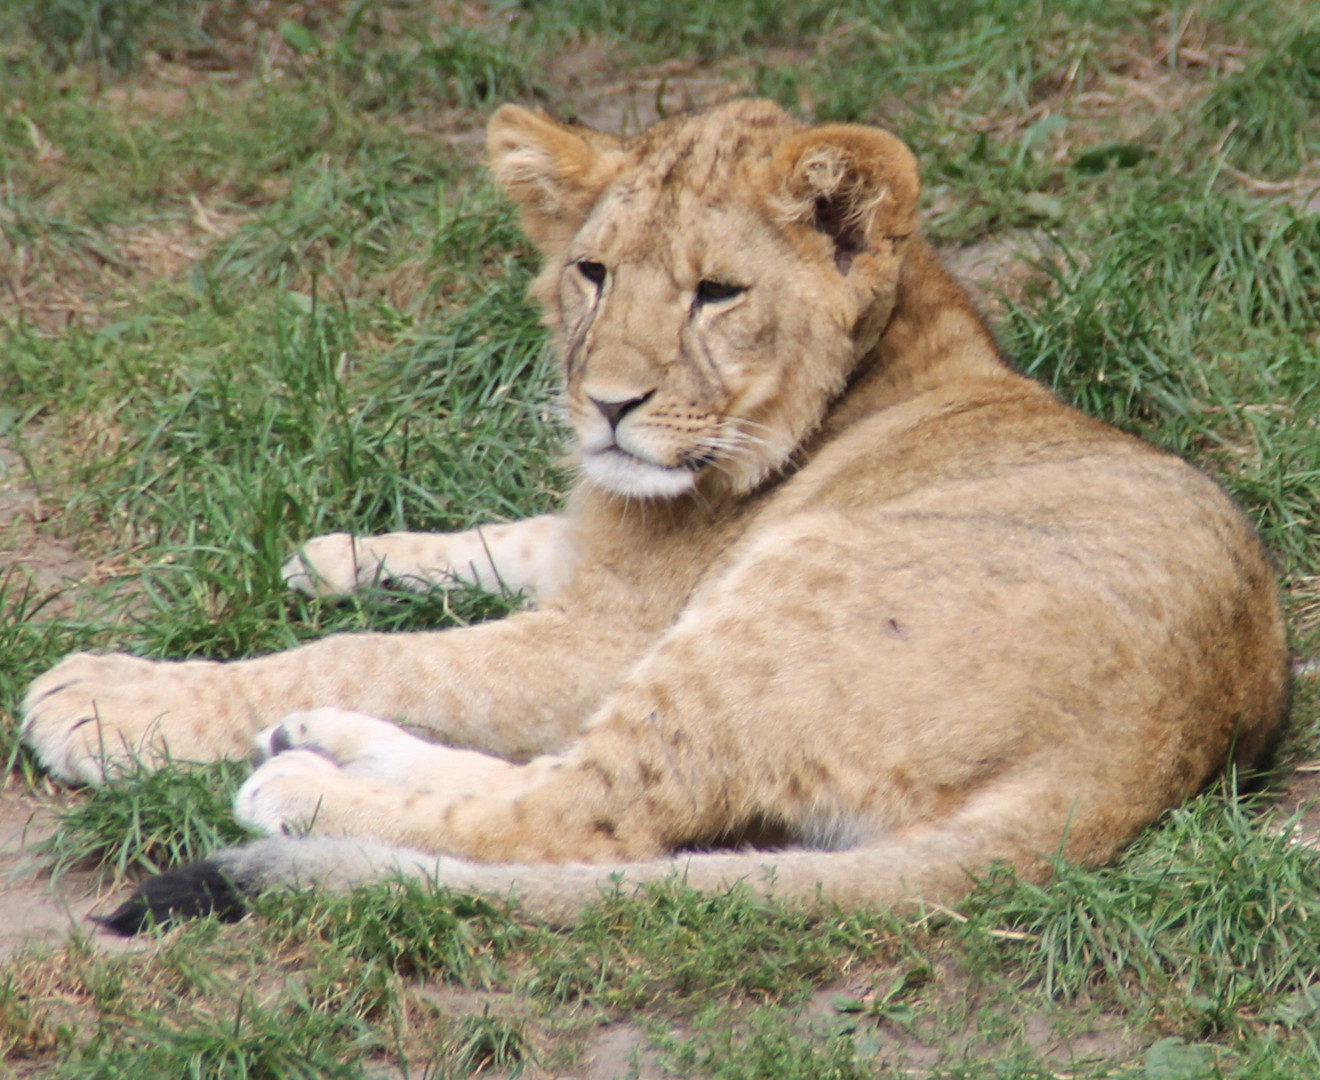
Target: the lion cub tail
(936, 867)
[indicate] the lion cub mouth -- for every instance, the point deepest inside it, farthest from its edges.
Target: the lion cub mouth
(615, 469)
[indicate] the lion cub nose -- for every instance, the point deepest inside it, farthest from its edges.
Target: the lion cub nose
(614, 411)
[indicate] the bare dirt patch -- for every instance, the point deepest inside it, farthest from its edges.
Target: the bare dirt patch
(48, 566)
(1299, 802)
(891, 1037)
(34, 909)
(86, 275)
(627, 105)
(995, 269)
(620, 1050)
(1304, 593)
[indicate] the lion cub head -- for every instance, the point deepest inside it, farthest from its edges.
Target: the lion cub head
(711, 282)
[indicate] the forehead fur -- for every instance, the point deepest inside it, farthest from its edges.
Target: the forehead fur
(703, 151)
(706, 166)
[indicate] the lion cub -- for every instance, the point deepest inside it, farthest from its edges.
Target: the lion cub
(834, 579)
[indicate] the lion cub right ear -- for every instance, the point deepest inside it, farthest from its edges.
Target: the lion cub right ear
(554, 171)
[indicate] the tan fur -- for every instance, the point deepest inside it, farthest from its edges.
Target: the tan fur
(834, 576)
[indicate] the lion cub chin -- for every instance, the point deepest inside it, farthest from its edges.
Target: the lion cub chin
(834, 579)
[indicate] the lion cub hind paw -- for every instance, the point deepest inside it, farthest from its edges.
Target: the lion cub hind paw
(284, 795)
(361, 745)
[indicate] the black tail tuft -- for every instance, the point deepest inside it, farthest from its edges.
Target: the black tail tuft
(187, 892)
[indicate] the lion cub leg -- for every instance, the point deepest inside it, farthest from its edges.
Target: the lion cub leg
(516, 686)
(710, 734)
(640, 783)
(531, 556)
(340, 773)
(348, 753)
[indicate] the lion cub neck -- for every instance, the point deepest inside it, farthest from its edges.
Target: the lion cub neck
(935, 341)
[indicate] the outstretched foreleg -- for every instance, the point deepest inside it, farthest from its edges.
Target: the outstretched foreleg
(516, 687)
(533, 556)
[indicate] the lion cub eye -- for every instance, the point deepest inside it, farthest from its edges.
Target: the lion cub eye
(713, 292)
(594, 272)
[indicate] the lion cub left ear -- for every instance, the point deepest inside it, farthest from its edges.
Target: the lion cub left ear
(857, 185)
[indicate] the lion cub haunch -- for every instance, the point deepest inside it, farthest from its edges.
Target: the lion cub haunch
(833, 574)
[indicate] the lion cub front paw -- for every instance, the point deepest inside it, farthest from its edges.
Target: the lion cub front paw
(336, 564)
(90, 717)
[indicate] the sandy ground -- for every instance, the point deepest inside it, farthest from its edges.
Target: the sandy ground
(49, 563)
(32, 907)
(35, 910)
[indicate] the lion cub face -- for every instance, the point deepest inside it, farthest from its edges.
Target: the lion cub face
(673, 355)
(710, 284)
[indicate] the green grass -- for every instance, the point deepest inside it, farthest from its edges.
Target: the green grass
(108, 32)
(256, 287)
(148, 820)
(1206, 926)
(1267, 111)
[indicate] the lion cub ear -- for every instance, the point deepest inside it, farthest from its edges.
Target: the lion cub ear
(554, 171)
(857, 185)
